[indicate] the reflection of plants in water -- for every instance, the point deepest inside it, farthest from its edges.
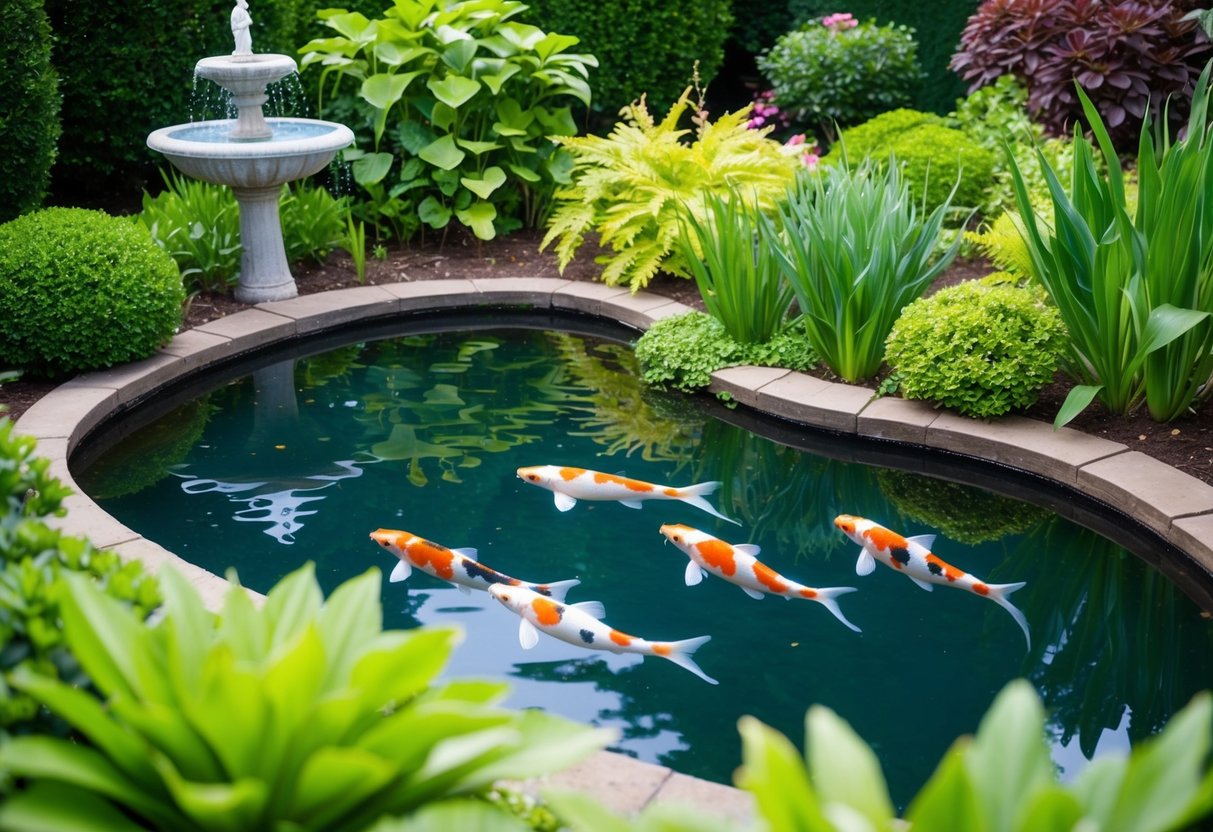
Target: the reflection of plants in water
(958, 512)
(149, 455)
(1094, 657)
(318, 370)
(620, 412)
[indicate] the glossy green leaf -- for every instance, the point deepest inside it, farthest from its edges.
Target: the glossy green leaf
(371, 168)
(1077, 400)
(396, 54)
(547, 745)
(496, 81)
(443, 117)
(291, 605)
(478, 148)
(413, 137)
(351, 617)
(53, 807)
(453, 90)
(948, 800)
(383, 90)
(843, 768)
(553, 43)
(398, 665)
(1009, 761)
(479, 217)
(463, 815)
(484, 185)
(191, 627)
(433, 213)
(233, 806)
(458, 55)
(772, 770)
(443, 153)
(1097, 786)
(101, 634)
(335, 780)
(524, 173)
(1052, 809)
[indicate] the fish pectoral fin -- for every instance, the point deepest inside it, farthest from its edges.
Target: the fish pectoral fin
(926, 541)
(528, 636)
(928, 587)
(694, 573)
(748, 549)
(753, 593)
(631, 503)
(465, 590)
(865, 564)
(470, 554)
(564, 502)
(594, 609)
(400, 572)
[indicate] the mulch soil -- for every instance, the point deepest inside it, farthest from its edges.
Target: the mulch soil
(1186, 444)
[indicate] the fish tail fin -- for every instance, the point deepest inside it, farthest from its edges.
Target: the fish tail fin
(680, 654)
(559, 589)
(825, 597)
(693, 495)
(998, 594)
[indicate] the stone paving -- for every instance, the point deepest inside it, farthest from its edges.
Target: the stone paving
(1176, 506)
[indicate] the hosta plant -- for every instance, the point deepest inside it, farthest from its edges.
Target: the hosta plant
(635, 186)
(298, 715)
(856, 249)
(1134, 286)
(461, 97)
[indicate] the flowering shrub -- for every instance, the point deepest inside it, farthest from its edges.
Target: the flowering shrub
(765, 112)
(838, 71)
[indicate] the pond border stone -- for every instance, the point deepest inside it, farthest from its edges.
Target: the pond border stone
(1179, 507)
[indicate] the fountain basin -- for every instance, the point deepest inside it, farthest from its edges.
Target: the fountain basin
(299, 147)
(245, 74)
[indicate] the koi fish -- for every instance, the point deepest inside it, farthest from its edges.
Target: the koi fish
(580, 624)
(572, 484)
(912, 557)
(739, 565)
(458, 566)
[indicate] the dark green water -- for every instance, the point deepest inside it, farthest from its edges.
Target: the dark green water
(424, 433)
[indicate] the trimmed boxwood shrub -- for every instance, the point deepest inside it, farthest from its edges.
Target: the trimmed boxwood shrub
(81, 290)
(643, 47)
(29, 108)
(931, 154)
(979, 350)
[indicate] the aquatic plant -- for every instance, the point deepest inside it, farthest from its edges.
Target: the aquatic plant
(300, 714)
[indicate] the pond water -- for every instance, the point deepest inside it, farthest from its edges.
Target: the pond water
(303, 459)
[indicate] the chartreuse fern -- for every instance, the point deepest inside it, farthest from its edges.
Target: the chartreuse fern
(631, 186)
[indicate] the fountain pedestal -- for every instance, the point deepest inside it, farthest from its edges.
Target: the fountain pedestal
(264, 273)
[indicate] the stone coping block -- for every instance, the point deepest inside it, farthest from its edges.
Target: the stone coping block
(155, 557)
(900, 420)
(1151, 491)
(642, 309)
(714, 798)
(626, 784)
(87, 519)
(744, 383)
(132, 380)
(1021, 443)
(1194, 535)
(251, 328)
(580, 296)
(71, 410)
(534, 291)
(434, 294)
(196, 348)
(328, 309)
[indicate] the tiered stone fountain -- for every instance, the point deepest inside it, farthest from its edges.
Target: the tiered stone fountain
(253, 155)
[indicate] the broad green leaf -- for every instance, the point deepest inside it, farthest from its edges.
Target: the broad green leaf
(443, 117)
(383, 90)
(453, 90)
(553, 43)
(395, 54)
(241, 627)
(163, 728)
(478, 148)
(1053, 809)
(408, 735)
(484, 185)
(229, 710)
(351, 617)
(1097, 786)
(54, 807)
(524, 173)
(774, 773)
(1076, 402)
(495, 81)
(506, 131)
(513, 115)
(414, 136)
(336, 780)
(191, 626)
(1166, 323)
(947, 801)
(443, 153)
(400, 664)
(548, 744)
(584, 814)
(1008, 761)
(844, 769)
(291, 605)
(371, 168)
(463, 815)
(479, 217)
(436, 215)
(234, 806)
(102, 635)
(458, 55)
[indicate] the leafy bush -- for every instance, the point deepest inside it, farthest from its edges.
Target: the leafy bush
(1134, 289)
(295, 715)
(1127, 54)
(33, 559)
(633, 186)
(465, 98)
(832, 75)
(856, 251)
(29, 108)
(933, 157)
(959, 512)
(644, 47)
(738, 278)
(81, 290)
(682, 351)
(981, 351)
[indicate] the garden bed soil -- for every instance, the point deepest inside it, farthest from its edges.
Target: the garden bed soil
(1186, 444)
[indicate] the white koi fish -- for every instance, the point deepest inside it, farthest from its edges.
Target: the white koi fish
(739, 565)
(580, 624)
(912, 557)
(572, 484)
(458, 566)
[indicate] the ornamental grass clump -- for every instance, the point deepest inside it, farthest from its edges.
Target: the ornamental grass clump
(1134, 287)
(979, 350)
(856, 250)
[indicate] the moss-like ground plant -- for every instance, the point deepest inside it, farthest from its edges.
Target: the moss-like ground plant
(980, 350)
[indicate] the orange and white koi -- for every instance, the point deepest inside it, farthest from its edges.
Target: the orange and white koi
(912, 557)
(572, 484)
(458, 566)
(738, 564)
(581, 624)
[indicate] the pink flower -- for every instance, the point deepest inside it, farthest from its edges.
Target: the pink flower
(795, 140)
(810, 160)
(839, 21)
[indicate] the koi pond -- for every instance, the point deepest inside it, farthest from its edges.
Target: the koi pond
(302, 457)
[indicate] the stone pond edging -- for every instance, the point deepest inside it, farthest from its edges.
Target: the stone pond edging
(1176, 506)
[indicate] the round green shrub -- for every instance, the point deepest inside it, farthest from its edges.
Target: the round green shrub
(932, 156)
(29, 108)
(81, 290)
(827, 75)
(958, 512)
(981, 351)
